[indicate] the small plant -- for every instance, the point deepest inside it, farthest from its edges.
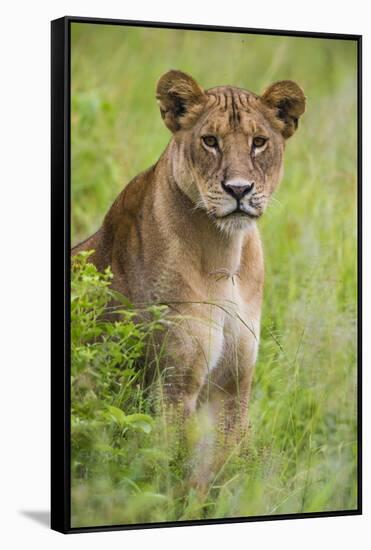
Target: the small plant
(111, 418)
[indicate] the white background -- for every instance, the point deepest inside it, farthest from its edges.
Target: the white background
(24, 288)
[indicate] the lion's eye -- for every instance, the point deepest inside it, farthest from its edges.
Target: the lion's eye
(259, 141)
(210, 141)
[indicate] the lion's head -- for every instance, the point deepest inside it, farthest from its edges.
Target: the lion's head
(228, 143)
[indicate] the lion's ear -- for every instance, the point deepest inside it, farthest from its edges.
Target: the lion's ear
(180, 99)
(289, 101)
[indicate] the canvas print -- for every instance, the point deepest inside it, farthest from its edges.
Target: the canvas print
(213, 292)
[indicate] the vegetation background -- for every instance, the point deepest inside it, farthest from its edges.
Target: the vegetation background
(302, 451)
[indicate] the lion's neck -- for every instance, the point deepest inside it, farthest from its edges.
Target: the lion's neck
(221, 254)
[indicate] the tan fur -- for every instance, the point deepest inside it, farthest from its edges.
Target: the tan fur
(172, 236)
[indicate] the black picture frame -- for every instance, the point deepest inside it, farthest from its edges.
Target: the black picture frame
(60, 271)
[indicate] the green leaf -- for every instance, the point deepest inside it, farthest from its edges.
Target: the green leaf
(121, 298)
(141, 422)
(117, 415)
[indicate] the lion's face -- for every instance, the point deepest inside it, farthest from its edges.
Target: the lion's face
(234, 156)
(228, 144)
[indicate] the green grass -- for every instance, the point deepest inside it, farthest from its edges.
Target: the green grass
(301, 454)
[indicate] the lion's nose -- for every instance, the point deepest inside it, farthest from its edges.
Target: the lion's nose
(238, 189)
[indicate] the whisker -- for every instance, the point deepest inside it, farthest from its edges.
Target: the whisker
(276, 200)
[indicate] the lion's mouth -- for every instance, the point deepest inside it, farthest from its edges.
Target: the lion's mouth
(241, 212)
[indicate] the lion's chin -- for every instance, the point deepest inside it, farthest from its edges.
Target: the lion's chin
(235, 222)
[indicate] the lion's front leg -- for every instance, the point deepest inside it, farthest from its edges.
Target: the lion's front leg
(191, 348)
(224, 411)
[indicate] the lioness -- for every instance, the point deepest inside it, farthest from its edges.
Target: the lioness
(184, 233)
